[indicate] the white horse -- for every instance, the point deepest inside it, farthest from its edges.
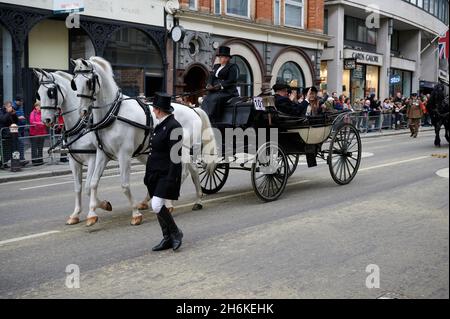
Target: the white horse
(95, 84)
(55, 93)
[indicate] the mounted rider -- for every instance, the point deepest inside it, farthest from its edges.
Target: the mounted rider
(222, 84)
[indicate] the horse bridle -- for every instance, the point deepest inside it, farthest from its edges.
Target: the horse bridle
(91, 84)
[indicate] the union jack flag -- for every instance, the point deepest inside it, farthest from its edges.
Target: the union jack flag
(444, 46)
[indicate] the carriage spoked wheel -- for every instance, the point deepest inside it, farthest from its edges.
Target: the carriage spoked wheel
(293, 161)
(213, 182)
(345, 154)
(270, 172)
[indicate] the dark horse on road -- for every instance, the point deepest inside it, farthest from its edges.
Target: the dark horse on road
(439, 111)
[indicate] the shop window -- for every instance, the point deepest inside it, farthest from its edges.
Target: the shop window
(372, 80)
(7, 66)
(245, 81)
(291, 74)
(137, 62)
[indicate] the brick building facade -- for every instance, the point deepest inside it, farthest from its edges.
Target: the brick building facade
(271, 41)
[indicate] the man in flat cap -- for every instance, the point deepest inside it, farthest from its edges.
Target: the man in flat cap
(285, 104)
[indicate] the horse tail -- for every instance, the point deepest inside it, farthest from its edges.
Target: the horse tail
(209, 143)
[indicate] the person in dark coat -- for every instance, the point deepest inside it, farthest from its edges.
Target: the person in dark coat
(285, 104)
(8, 117)
(222, 84)
(164, 169)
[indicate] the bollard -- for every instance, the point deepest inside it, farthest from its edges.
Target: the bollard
(15, 153)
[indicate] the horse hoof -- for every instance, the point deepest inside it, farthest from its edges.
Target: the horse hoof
(171, 210)
(143, 206)
(197, 207)
(73, 221)
(106, 206)
(91, 221)
(136, 221)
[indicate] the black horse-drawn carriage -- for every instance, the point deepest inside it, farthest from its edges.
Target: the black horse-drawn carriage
(330, 137)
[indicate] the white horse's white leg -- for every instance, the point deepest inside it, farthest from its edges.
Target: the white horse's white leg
(100, 165)
(105, 205)
(193, 170)
(125, 173)
(77, 172)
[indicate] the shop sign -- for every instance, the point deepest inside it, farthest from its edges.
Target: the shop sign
(364, 57)
(68, 6)
(395, 79)
(349, 64)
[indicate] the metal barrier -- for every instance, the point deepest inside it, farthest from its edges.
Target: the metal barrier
(367, 123)
(32, 149)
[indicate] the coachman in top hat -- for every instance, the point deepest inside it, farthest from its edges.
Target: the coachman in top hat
(222, 84)
(164, 169)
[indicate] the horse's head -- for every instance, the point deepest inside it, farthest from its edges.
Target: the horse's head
(50, 95)
(86, 82)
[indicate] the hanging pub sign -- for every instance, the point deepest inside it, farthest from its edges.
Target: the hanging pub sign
(349, 64)
(68, 6)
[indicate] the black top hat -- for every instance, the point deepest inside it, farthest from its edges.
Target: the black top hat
(224, 51)
(414, 94)
(163, 101)
(280, 86)
(313, 89)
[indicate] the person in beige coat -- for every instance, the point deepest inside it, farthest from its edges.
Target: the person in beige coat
(415, 114)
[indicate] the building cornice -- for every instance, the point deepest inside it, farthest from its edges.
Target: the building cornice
(223, 24)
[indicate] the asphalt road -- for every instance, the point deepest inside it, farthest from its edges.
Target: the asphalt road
(315, 242)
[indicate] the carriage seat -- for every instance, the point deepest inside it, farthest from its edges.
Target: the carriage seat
(235, 112)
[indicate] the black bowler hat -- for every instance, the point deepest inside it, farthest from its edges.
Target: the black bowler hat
(280, 86)
(19, 97)
(313, 89)
(224, 51)
(163, 102)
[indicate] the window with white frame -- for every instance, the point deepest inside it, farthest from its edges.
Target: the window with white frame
(218, 7)
(294, 10)
(239, 8)
(277, 13)
(193, 4)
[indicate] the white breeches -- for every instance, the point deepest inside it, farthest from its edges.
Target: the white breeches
(158, 203)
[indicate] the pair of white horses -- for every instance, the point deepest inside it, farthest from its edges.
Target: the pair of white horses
(94, 90)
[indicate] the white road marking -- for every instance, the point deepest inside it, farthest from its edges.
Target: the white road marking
(71, 182)
(394, 163)
(5, 242)
(443, 173)
(236, 195)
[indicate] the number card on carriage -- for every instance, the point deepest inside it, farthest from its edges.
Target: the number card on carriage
(259, 103)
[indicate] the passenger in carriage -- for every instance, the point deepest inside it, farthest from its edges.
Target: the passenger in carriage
(285, 102)
(222, 84)
(312, 102)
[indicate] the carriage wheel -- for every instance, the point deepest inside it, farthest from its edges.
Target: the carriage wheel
(345, 154)
(270, 172)
(293, 161)
(213, 183)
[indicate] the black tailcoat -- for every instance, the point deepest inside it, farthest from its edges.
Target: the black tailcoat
(163, 176)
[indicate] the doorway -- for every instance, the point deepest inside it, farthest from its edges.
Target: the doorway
(195, 80)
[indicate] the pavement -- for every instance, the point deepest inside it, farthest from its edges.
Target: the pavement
(319, 240)
(60, 169)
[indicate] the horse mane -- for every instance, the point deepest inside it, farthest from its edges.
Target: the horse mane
(104, 64)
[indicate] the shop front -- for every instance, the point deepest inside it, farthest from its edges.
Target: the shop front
(361, 75)
(400, 81)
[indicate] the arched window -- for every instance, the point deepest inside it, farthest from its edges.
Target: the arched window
(291, 74)
(245, 81)
(137, 62)
(80, 44)
(7, 65)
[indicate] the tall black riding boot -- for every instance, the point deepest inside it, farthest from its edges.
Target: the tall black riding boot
(175, 234)
(166, 243)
